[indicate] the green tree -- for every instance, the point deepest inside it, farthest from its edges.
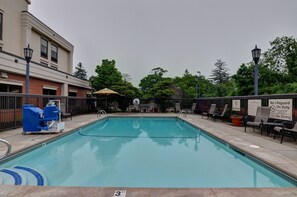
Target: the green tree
(220, 73)
(163, 90)
(108, 75)
(187, 83)
(126, 77)
(128, 92)
(159, 71)
(282, 58)
(244, 80)
(80, 72)
(147, 83)
(220, 77)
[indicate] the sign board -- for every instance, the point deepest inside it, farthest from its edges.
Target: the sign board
(281, 109)
(253, 105)
(235, 105)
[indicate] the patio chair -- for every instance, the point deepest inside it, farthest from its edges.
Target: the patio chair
(286, 130)
(64, 114)
(151, 107)
(192, 108)
(221, 115)
(210, 112)
(261, 118)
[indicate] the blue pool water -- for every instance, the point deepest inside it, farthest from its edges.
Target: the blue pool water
(146, 152)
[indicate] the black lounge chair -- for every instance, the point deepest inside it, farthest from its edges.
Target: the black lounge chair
(260, 120)
(210, 112)
(221, 115)
(286, 130)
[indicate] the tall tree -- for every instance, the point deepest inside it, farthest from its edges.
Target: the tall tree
(220, 73)
(126, 77)
(282, 58)
(220, 78)
(147, 83)
(80, 72)
(186, 83)
(244, 80)
(159, 71)
(108, 75)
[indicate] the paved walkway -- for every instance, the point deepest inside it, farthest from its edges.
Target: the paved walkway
(281, 156)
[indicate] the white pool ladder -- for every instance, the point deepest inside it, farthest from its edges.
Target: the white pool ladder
(182, 112)
(8, 148)
(102, 113)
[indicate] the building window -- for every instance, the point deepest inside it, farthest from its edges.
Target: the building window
(49, 92)
(44, 46)
(1, 25)
(10, 88)
(72, 94)
(54, 56)
(8, 102)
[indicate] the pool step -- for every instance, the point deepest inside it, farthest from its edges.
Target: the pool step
(20, 175)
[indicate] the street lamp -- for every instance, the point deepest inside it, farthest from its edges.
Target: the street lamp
(256, 53)
(91, 84)
(196, 79)
(28, 52)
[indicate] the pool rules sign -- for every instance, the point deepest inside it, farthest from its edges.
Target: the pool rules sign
(281, 109)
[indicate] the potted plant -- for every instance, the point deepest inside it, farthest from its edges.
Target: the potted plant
(236, 120)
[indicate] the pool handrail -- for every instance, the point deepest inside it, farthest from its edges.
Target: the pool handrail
(182, 112)
(8, 148)
(102, 113)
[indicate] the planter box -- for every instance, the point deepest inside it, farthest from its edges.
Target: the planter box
(236, 120)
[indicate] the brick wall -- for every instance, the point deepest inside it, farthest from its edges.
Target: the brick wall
(80, 91)
(35, 85)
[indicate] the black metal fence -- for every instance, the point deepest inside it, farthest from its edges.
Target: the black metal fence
(11, 105)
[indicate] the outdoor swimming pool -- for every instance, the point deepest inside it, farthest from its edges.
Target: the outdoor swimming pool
(143, 152)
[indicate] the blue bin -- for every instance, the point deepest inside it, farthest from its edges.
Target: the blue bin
(32, 118)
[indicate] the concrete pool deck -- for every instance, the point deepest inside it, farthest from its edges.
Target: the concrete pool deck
(281, 156)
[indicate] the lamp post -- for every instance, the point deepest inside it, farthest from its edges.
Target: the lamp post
(196, 79)
(256, 53)
(92, 81)
(28, 52)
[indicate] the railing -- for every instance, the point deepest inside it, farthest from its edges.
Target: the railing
(102, 113)
(182, 112)
(8, 148)
(11, 112)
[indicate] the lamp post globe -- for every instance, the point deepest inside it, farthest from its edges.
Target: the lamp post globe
(28, 52)
(256, 53)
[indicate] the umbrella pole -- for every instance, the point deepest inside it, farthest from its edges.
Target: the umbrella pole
(106, 104)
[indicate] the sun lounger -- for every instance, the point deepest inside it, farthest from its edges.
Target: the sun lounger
(210, 112)
(285, 130)
(260, 120)
(220, 115)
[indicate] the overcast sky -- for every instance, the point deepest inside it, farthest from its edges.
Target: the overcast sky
(173, 34)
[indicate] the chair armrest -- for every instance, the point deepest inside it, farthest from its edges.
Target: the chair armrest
(278, 121)
(288, 124)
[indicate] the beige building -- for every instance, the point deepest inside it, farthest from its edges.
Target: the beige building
(51, 66)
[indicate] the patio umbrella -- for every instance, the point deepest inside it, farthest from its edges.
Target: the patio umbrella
(106, 92)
